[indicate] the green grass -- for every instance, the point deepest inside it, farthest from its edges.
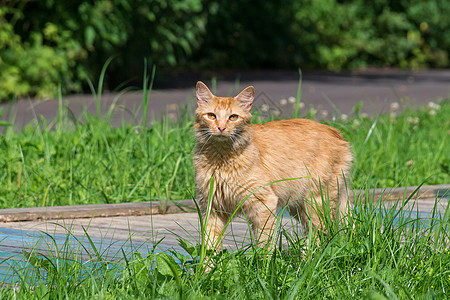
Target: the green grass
(92, 162)
(86, 161)
(410, 149)
(381, 253)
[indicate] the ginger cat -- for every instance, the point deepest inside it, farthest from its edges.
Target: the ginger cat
(245, 158)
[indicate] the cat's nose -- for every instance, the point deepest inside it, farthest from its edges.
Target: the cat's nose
(221, 129)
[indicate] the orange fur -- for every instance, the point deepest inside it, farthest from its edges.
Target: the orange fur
(245, 158)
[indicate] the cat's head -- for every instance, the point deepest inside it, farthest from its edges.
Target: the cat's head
(222, 118)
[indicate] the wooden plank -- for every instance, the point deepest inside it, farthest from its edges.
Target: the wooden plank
(158, 207)
(95, 210)
(394, 194)
(426, 205)
(149, 229)
(111, 229)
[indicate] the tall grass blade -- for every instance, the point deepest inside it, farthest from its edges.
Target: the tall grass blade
(98, 98)
(146, 92)
(205, 236)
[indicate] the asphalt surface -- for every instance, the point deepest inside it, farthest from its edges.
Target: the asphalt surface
(335, 93)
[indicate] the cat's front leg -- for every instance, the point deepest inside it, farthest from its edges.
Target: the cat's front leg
(214, 230)
(215, 225)
(262, 215)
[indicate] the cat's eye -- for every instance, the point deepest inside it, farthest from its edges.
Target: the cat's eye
(211, 116)
(233, 117)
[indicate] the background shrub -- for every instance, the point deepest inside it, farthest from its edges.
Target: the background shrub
(47, 43)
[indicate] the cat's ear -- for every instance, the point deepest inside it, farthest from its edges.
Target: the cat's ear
(203, 94)
(246, 97)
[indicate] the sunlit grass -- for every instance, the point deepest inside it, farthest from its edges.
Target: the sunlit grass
(96, 163)
(380, 252)
(89, 161)
(411, 147)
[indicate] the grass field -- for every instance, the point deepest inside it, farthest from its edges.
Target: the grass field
(86, 161)
(380, 253)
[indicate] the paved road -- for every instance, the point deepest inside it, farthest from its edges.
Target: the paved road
(323, 91)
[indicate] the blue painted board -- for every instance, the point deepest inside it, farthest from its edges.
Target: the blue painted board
(64, 246)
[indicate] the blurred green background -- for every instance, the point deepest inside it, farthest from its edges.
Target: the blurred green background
(48, 43)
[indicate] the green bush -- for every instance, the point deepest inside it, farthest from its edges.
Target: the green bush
(48, 43)
(31, 66)
(327, 34)
(45, 44)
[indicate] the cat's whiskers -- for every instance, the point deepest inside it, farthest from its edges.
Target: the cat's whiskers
(203, 133)
(234, 141)
(237, 143)
(239, 140)
(205, 143)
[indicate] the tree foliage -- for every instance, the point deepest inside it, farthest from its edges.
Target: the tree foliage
(47, 43)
